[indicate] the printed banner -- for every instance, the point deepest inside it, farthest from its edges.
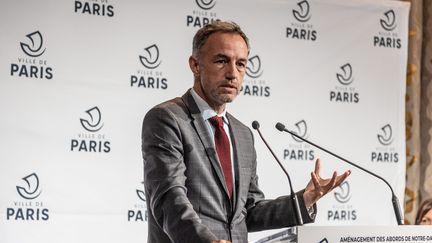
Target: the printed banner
(78, 76)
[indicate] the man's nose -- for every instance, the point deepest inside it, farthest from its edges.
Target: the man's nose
(231, 72)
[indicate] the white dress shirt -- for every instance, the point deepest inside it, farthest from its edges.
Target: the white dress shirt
(207, 112)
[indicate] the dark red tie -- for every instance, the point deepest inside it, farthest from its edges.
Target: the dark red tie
(223, 150)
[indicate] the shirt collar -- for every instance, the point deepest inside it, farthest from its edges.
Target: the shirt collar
(206, 111)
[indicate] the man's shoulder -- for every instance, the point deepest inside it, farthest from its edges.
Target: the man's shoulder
(171, 108)
(171, 105)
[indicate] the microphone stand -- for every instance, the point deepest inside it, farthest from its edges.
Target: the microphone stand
(395, 200)
(293, 196)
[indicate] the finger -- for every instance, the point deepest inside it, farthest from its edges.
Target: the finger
(317, 167)
(315, 181)
(342, 177)
(332, 182)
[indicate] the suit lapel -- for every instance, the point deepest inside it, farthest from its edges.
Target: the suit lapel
(237, 145)
(205, 137)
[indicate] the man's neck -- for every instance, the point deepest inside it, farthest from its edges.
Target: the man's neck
(219, 109)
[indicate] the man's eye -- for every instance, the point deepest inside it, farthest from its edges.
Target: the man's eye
(221, 61)
(241, 65)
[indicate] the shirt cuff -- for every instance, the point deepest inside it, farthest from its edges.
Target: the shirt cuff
(312, 211)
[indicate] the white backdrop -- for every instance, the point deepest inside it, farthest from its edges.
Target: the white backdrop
(77, 77)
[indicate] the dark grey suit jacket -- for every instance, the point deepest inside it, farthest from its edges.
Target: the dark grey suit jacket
(187, 199)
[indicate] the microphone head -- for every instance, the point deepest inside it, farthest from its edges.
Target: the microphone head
(255, 125)
(280, 126)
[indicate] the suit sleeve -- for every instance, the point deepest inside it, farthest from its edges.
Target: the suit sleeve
(265, 214)
(164, 179)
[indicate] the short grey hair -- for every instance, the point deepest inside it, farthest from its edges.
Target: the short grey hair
(204, 33)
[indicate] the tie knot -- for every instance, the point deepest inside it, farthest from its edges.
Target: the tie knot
(216, 121)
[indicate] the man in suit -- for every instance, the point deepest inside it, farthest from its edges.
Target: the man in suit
(200, 162)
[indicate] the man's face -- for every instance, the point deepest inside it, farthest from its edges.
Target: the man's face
(220, 68)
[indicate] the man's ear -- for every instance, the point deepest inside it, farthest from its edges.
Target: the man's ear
(194, 66)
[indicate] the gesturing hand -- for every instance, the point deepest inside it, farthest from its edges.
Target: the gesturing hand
(318, 187)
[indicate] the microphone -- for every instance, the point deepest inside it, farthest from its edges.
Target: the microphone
(395, 200)
(294, 198)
